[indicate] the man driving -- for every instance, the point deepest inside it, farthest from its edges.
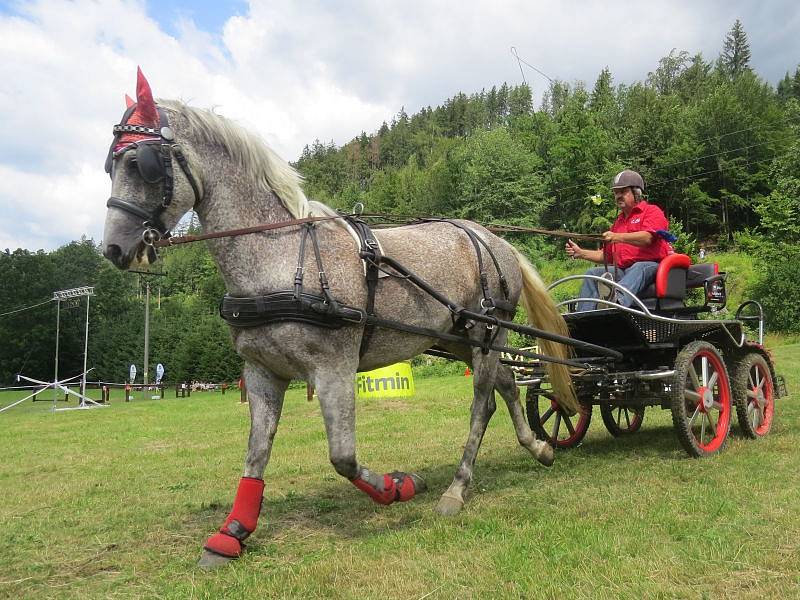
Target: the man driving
(632, 248)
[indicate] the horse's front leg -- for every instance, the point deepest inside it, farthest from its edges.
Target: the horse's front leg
(335, 390)
(265, 392)
(483, 407)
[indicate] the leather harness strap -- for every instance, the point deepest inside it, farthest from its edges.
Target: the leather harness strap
(186, 239)
(370, 253)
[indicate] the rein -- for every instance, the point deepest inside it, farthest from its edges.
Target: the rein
(186, 239)
(494, 228)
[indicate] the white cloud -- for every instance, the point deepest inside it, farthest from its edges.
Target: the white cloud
(296, 71)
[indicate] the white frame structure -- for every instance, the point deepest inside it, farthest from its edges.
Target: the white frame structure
(85, 402)
(58, 296)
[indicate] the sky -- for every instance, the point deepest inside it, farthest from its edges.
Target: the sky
(298, 71)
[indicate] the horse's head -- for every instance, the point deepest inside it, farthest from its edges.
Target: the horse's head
(152, 185)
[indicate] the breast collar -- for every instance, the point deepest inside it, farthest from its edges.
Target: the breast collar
(164, 139)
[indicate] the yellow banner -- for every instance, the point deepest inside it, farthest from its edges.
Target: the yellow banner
(394, 381)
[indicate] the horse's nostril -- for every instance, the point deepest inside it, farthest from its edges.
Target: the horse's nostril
(113, 252)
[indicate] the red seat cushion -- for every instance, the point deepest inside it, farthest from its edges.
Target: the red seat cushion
(673, 261)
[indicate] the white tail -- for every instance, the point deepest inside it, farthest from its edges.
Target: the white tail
(542, 313)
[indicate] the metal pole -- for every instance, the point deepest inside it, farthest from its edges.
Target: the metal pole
(55, 375)
(146, 332)
(85, 351)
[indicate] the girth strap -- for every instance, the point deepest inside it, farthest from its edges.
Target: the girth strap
(488, 303)
(370, 253)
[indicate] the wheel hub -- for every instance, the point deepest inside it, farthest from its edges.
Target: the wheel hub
(706, 398)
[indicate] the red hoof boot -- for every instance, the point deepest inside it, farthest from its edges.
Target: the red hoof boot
(224, 545)
(241, 522)
(397, 487)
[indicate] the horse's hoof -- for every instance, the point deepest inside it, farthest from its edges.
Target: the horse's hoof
(419, 483)
(212, 560)
(449, 505)
(544, 453)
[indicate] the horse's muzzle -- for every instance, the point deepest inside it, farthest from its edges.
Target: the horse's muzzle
(115, 254)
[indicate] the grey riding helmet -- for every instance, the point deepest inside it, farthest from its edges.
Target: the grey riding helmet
(627, 178)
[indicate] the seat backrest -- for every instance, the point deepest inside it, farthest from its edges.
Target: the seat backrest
(671, 276)
(697, 274)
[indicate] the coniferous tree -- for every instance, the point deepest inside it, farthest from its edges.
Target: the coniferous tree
(735, 57)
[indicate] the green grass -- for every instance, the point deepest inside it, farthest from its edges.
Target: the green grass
(117, 502)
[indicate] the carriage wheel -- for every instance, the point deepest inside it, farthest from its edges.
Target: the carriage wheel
(622, 420)
(754, 395)
(701, 399)
(551, 423)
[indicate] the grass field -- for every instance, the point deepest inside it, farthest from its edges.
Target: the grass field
(117, 502)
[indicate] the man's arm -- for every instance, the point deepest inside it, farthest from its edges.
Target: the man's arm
(636, 238)
(575, 251)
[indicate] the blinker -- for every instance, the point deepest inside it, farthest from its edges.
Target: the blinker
(147, 158)
(150, 163)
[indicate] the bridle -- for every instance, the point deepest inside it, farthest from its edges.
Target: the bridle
(154, 161)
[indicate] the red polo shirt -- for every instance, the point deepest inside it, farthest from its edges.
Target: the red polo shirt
(643, 217)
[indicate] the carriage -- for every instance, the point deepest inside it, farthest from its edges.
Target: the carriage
(672, 354)
(445, 286)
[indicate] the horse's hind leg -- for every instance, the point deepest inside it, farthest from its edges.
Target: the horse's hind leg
(336, 397)
(483, 407)
(265, 392)
(540, 449)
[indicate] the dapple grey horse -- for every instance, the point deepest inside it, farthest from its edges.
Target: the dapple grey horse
(232, 180)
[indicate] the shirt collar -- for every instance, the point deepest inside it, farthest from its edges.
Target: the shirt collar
(639, 207)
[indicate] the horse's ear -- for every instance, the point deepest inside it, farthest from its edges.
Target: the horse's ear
(129, 101)
(144, 99)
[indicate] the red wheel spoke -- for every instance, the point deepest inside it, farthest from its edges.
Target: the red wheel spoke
(713, 379)
(711, 422)
(691, 396)
(546, 416)
(556, 426)
(693, 377)
(702, 428)
(694, 414)
(568, 423)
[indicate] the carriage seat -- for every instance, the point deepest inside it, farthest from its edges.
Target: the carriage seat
(676, 274)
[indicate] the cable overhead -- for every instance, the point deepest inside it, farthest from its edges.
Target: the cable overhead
(668, 165)
(521, 62)
(18, 310)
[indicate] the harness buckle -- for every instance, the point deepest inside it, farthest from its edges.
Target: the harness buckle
(362, 317)
(487, 303)
(150, 235)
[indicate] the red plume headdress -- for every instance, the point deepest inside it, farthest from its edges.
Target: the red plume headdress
(145, 113)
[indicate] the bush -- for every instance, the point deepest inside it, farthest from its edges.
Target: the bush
(776, 287)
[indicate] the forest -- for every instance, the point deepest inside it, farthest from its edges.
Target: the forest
(718, 147)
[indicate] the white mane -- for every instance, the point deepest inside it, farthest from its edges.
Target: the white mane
(258, 160)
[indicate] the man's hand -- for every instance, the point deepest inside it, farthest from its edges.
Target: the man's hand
(610, 237)
(634, 238)
(573, 250)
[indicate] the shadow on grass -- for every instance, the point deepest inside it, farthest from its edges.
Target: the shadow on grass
(337, 509)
